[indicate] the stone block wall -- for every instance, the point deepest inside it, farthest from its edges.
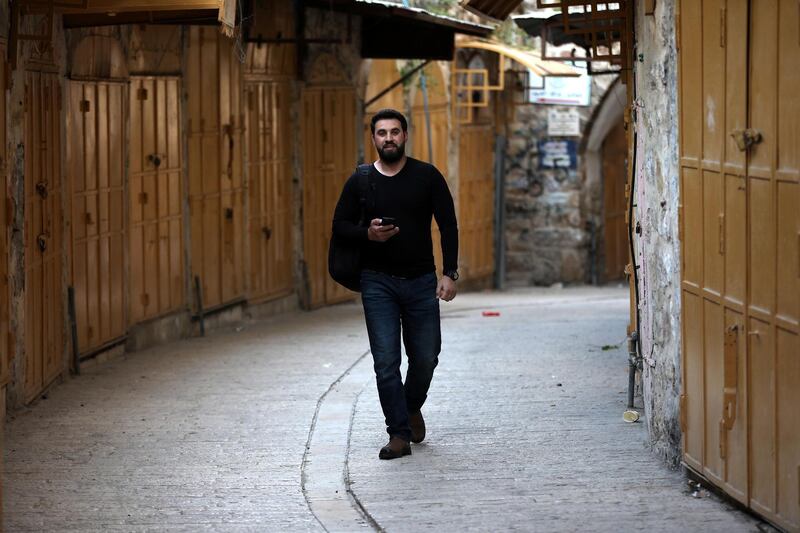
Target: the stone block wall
(658, 249)
(547, 236)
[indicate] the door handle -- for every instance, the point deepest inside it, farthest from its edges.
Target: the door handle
(267, 232)
(745, 139)
(41, 189)
(154, 159)
(731, 376)
(41, 240)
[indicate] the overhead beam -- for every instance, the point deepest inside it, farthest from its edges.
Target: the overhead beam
(496, 10)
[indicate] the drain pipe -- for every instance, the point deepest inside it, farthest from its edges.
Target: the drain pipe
(631, 414)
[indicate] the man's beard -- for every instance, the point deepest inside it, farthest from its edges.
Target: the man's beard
(392, 156)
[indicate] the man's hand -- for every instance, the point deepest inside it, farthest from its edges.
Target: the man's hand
(379, 233)
(446, 289)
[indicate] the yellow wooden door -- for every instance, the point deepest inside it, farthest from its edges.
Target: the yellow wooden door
(95, 142)
(382, 74)
(329, 157)
(5, 351)
(438, 111)
(713, 199)
(740, 169)
(44, 294)
(615, 233)
(476, 200)
(155, 196)
(216, 187)
(773, 224)
(268, 126)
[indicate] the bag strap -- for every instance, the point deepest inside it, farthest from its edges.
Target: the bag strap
(363, 190)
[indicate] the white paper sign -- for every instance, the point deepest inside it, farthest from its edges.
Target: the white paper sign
(563, 123)
(561, 91)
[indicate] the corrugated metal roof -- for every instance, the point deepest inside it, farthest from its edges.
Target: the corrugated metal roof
(528, 58)
(494, 9)
(383, 8)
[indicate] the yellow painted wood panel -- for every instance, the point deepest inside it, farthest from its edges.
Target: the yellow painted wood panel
(5, 349)
(714, 369)
(44, 294)
(216, 150)
(382, 74)
(268, 126)
(691, 70)
(741, 248)
(438, 111)
(476, 201)
(693, 438)
(328, 115)
(155, 199)
(615, 233)
(96, 114)
(774, 259)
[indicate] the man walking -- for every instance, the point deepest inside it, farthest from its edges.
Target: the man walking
(399, 287)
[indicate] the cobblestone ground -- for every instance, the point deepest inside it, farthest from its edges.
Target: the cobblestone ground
(210, 434)
(525, 430)
(203, 434)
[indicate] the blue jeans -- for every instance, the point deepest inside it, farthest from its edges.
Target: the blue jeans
(389, 303)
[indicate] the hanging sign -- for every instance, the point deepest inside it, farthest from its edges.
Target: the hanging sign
(563, 122)
(561, 90)
(557, 154)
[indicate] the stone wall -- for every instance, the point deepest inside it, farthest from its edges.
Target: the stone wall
(546, 232)
(658, 250)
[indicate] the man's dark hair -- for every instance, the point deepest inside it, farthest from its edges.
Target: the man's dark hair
(383, 114)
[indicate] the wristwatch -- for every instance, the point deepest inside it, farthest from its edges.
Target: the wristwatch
(452, 274)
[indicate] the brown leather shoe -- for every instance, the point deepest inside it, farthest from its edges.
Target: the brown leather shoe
(397, 447)
(417, 425)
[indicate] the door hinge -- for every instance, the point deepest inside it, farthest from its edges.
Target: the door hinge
(730, 385)
(730, 376)
(723, 24)
(798, 254)
(680, 223)
(85, 106)
(722, 233)
(682, 414)
(745, 139)
(723, 440)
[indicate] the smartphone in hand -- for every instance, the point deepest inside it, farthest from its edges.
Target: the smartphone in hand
(388, 221)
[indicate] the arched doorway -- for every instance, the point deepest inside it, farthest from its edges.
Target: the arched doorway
(436, 150)
(605, 155)
(615, 234)
(44, 294)
(269, 71)
(216, 165)
(382, 74)
(476, 185)
(4, 305)
(329, 130)
(97, 109)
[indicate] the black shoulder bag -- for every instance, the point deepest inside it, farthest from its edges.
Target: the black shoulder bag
(344, 257)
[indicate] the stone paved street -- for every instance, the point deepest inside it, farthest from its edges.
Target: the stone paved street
(251, 430)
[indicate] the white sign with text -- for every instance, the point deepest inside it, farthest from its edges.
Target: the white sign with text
(563, 122)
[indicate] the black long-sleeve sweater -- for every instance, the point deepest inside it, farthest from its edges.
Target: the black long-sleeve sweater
(412, 196)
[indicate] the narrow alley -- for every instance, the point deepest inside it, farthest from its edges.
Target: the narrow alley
(241, 431)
